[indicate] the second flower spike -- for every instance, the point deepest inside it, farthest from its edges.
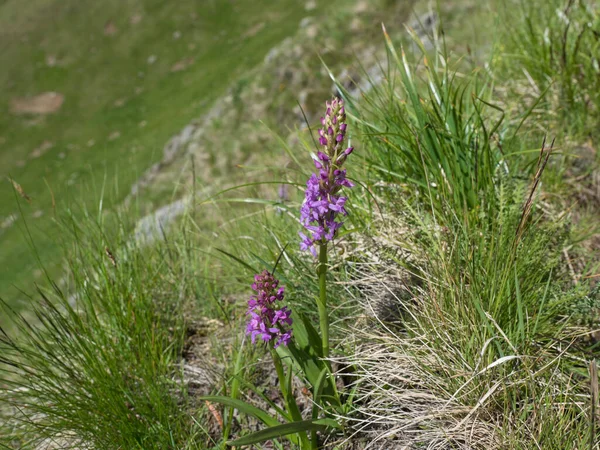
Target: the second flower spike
(266, 322)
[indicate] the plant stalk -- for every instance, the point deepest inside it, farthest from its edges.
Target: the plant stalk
(280, 372)
(322, 303)
(288, 396)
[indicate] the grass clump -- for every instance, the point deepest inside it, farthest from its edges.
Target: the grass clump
(480, 349)
(97, 362)
(432, 132)
(556, 45)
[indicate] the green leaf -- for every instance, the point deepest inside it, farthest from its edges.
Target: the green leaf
(284, 430)
(307, 361)
(318, 388)
(240, 186)
(235, 258)
(312, 335)
(244, 407)
(270, 402)
(292, 407)
(262, 262)
(331, 423)
(235, 388)
(341, 234)
(306, 351)
(520, 314)
(279, 258)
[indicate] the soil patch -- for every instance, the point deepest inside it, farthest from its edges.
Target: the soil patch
(45, 103)
(42, 149)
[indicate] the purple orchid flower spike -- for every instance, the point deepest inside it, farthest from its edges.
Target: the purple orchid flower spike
(323, 204)
(266, 322)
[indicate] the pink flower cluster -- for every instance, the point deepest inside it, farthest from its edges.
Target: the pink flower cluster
(266, 322)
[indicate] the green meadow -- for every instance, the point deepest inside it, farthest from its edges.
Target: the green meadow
(132, 74)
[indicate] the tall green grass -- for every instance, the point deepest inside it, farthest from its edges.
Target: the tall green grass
(97, 360)
(487, 327)
(555, 46)
(430, 127)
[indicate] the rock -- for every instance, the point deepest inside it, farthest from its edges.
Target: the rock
(186, 134)
(5, 223)
(110, 29)
(275, 51)
(425, 26)
(39, 151)
(45, 103)
(182, 65)
(56, 443)
(151, 226)
(312, 31)
(51, 60)
(252, 31)
(306, 22)
(135, 19)
(310, 5)
(114, 135)
(361, 7)
(193, 148)
(151, 59)
(171, 149)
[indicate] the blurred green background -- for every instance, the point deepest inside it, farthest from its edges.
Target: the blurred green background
(90, 92)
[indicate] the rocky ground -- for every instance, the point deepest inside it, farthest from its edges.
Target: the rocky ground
(278, 96)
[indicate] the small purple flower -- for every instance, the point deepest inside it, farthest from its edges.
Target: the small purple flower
(283, 316)
(323, 204)
(266, 322)
(337, 204)
(307, 244)
(284, 339)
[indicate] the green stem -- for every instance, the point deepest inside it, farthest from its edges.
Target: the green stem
(288, 396)
(323, 316)
(279, 370)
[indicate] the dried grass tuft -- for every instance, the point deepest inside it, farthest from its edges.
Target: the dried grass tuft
(427, 378)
